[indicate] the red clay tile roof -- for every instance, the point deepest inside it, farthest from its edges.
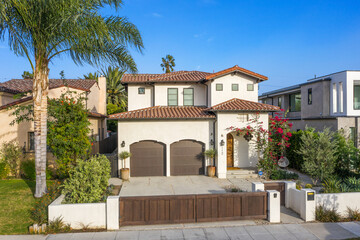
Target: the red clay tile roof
(178, 76)
(236, 104)
(239, 69)
(16, 102)
(185, 76)
(165, 112)
(25, 85)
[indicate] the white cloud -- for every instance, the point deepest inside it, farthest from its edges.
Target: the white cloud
(157, 15)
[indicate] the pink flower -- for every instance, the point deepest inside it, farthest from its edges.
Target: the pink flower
(282, 110)
(290, 124)
(280, 130)
(289, 134)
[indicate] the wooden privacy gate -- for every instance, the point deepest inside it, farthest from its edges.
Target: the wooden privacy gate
(278, 186)
(192, 208)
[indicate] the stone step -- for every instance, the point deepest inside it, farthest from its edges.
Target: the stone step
(242, 175)
(240, 172)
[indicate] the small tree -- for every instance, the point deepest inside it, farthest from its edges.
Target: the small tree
(318, 151)
(11, 154)
(68, 131)
(211, 154)
(124, 155)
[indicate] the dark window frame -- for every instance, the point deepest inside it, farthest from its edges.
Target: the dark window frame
(280, 102)
(290, 105)
(177, 96)
(193, 98)
(31, 141)
(141, 92)
(252, 87)
(309, 97)
(219, 84)
(233, 85)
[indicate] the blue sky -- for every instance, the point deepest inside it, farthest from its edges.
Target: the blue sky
(288, 41)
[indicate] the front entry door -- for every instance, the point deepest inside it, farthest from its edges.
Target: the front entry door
(230, 150)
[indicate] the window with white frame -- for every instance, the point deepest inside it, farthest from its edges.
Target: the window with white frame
(357, 95)
(341, 97)
(334, 98)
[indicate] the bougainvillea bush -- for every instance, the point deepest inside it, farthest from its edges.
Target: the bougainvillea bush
(270, 144)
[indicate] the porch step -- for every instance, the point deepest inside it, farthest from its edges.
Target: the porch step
(241, 174)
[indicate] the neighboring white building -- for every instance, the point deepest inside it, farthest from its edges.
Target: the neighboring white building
(329, 101)
(174, 117)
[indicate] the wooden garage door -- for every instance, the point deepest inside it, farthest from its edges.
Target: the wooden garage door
(186, 158)
(148, 159)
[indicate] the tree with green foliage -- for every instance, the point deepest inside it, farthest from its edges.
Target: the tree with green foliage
(211, 154)
(91, 76)
(88, 181)
(27, 75)
(115, 91)
(318, 151)
(347, 155)
(68, 131)
(44, 30)
(11, 154)
(168, 63)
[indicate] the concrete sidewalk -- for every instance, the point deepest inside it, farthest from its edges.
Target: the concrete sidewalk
(306, 231)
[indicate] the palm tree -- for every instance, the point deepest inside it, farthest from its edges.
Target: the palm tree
(168, 63)
(116, 93)
(42, 30)
(91, 76)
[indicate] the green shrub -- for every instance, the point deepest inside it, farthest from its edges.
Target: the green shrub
(332, 185)
(28, 170)
(335, 185)
(39, 214)
(308, 185)
(353, 214)
(318, 151)
(57, 226)
(296, 160)
(327, 215)
(88, 181)
(283, 175)
(11, 153)
(347, 155)
(4, 170)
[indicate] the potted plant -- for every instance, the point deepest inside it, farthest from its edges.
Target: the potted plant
(211, 153)
(125, 174)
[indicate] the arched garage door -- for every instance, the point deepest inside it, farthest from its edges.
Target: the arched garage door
(186, 158)
(148, 159)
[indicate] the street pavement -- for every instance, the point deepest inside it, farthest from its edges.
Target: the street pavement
(304, 231)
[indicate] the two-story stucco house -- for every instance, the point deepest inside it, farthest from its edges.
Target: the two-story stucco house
(23, 133)
(174, 117)
(329, 101)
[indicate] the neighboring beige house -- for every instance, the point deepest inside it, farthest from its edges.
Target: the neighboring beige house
(329, 101)
(174, 117)
(23, 133)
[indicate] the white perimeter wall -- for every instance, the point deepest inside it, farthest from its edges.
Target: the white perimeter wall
(217, 97)
(79, 215)
(339, 201)
(165, 132)
(226, 120)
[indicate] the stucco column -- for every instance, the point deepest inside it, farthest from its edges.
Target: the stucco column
(167, 160)
(221, 156)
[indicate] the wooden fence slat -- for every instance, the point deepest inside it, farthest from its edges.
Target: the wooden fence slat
(192, 208)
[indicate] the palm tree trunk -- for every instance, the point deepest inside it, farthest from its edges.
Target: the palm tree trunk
(40, 90)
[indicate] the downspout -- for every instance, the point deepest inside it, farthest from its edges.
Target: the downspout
(356, 132)
(153, 96)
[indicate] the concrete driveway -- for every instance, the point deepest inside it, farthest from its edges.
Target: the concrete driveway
(179, 185)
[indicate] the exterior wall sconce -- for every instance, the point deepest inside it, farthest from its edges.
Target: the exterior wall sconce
(123, 144)
(222, 143)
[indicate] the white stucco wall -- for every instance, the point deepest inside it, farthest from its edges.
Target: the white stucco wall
(349, 93)
(339, 201)
(165, 132)
(227, 93)
(226, 120)
(138, 101)
(78, 215)
(161, 91)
